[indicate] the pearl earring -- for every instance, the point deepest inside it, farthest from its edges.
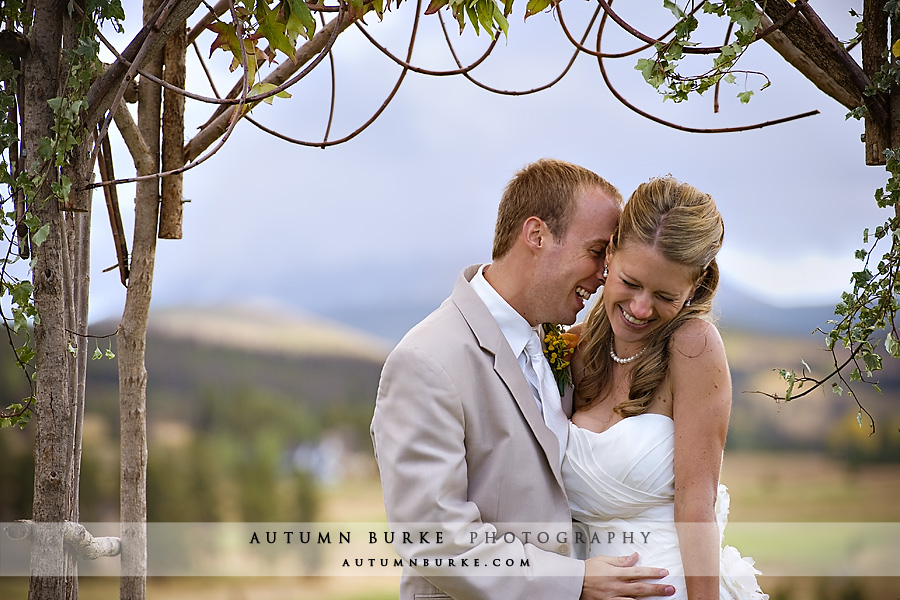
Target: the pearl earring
(688, 303)
(605, 271)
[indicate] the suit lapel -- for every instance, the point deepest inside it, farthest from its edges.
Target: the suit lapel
(506, 365)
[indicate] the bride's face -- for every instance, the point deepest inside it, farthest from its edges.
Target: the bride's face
(644, 291)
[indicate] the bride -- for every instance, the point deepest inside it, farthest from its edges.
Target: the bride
(652, 400)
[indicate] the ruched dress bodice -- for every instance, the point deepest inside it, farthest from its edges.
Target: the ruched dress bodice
(621, 489)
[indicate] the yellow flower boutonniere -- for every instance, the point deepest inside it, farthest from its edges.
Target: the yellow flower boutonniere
(559, 347)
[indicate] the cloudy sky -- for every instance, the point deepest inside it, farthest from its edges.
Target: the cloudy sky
(391, 217)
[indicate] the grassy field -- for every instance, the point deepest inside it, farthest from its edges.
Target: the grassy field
(765, 488)
(807, 489)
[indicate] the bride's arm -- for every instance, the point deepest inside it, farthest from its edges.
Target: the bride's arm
(701, 392)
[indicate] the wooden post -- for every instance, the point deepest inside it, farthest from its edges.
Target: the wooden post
(874, 43)
(893, 122)
(170, 211)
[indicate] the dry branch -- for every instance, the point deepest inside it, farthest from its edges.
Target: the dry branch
(134, 141)
(111, 194)
(74, 534)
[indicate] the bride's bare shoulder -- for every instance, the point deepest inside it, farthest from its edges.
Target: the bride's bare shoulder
(697, 339)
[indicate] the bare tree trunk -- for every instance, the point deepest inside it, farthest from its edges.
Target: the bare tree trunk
(132, 342)
(76, 267)
(78, 257)
(53, 410)
(53, 404)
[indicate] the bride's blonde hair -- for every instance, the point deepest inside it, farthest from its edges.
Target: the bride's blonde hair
(683, 224)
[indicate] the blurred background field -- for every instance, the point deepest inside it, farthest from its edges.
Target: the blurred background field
(764, 487)
(258, 415)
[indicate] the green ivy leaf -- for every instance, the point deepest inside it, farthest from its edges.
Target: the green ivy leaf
(652, 70)
(45, 148)
(21, 292)
(41, 235)
(20, 321)
(32, 221)
(25, 353)
(873, 361)
(674, 8)
(892, 345)
(791, 379)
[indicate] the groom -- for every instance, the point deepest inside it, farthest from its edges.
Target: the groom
(468, 439)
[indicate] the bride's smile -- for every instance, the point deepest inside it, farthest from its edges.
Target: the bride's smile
(644, 291)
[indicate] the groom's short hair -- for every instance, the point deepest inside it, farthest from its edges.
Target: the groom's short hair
(546, 189)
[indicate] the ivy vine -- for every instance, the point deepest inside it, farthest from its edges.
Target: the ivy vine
(22, 231)
(662, 70)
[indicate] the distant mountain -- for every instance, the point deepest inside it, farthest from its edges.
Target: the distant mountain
(204, 361)
(266, 328)
(389, 320)
(736, 310)
(740, 311)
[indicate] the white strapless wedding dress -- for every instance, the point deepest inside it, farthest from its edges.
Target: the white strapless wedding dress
(621, 488)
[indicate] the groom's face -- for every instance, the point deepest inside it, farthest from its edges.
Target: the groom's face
(571, 270)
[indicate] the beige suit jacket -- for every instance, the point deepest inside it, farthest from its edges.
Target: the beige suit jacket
(461, 446)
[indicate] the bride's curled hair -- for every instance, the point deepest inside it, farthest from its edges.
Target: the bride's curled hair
(683, 225)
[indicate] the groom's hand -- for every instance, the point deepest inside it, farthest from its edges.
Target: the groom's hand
(613, 577)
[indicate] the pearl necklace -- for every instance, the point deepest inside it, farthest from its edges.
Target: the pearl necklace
(624, 361)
